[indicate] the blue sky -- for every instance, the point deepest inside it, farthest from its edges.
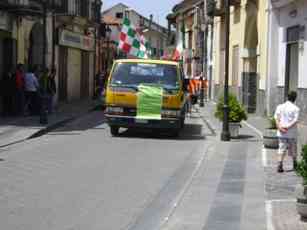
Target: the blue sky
(159, 8)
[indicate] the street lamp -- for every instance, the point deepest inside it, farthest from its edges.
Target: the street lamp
(225, 136)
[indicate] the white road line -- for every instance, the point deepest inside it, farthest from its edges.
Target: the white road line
(254, 128)
(269, 215)
(264, 158)
(283, 200)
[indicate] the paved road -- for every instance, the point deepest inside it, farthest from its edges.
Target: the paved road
(79, 177)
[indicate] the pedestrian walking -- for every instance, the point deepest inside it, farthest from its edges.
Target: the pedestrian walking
(20, 94)
(31, 92)
(286, 116)
(8, 92)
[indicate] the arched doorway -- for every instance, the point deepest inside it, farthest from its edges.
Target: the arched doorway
(250, 62)
(36, 53)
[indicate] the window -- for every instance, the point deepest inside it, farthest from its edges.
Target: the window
(119, 15)
(132, 75)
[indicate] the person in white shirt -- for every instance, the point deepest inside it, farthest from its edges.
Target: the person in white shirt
(286, 116)
(31, 91)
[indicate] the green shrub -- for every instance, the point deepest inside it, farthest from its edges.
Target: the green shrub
(301, 169)
(236, 111)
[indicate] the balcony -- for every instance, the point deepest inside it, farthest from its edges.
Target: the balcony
(216, 8)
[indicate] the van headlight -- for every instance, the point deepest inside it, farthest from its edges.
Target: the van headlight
(170, 113)
(114, 110)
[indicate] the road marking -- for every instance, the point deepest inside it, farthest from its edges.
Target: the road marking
(269, 215)
(283, 200)
(254, 128)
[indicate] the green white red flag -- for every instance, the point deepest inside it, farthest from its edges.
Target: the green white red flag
(132, 41)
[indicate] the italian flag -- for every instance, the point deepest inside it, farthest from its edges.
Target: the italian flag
(132, 41)
(177, 55)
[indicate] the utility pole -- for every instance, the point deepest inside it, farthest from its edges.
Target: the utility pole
(225, 136)
(43, 119)
(45, 33)
(53, 35)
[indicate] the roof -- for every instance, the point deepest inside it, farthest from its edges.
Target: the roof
(132, 10)
(109, 20)
(147, 61)
(186, 4)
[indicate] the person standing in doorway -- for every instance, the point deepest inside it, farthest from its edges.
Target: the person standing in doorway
(286, 116)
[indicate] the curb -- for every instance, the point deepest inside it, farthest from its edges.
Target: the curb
(49, 128)
(59, 124)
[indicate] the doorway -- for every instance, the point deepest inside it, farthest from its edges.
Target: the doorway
(63, 55)
(36, 54)
(292, 60)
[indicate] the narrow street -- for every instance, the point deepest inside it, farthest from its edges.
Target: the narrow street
(79, 177)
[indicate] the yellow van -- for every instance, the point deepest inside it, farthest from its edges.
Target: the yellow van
(146, 94)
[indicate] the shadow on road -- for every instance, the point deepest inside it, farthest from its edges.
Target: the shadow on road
(93, 120)
(190, 132)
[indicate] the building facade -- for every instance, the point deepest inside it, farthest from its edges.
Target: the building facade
(187, 18)
(287, 56)
(247, 55)
(153, 32)
(70, 28)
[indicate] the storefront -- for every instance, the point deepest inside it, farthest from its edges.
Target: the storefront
(76, 65)
(7, 45)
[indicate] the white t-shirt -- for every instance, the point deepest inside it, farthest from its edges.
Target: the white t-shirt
(287, 114)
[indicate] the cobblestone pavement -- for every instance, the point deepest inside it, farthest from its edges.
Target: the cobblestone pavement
(280, 188)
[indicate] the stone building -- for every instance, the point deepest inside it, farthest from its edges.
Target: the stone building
(71, 29)
(153, 32)
(187, 18)
(247, 55)
(287, 56)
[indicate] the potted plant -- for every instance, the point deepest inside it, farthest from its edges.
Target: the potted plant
(270, 139)
(301, 190)
(236, 114)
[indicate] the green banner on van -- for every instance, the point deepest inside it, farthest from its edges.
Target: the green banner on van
(149, 102)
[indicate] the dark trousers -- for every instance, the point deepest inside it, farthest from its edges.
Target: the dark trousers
(20, 102)
(32, 102)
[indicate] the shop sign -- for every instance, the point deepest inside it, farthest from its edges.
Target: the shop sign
(75, 40)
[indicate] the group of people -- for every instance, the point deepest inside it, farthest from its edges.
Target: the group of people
(27, 92)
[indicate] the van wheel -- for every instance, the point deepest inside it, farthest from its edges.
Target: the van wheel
(182, 120)
(114, 130)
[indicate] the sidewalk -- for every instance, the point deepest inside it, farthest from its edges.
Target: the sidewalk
(15, 130)
(279, 188)
(237, 186)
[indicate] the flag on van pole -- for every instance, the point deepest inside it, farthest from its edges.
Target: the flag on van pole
(132, 41)
(177, 55)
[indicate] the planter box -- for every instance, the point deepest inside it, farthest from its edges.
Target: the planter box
(234, 128)
(270, 139)
(301, 203)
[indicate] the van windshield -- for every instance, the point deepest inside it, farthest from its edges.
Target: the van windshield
(134, 74)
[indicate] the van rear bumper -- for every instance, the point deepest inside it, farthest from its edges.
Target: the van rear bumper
(133, 122)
